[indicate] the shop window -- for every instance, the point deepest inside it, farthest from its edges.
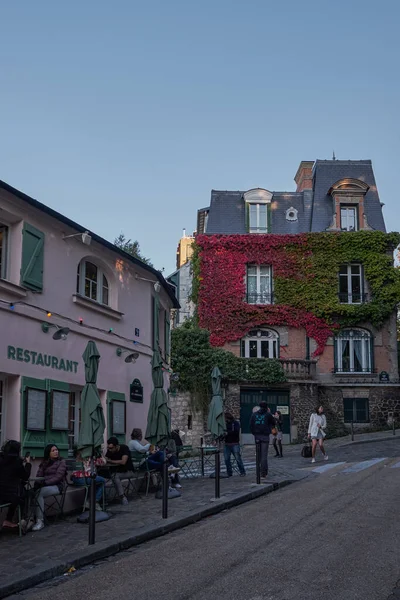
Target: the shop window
(92, 283)
(351, 284)
(260, 343)
(3, 251)
(354, 351)
(117, 415)
(356, 410)
(259, 284)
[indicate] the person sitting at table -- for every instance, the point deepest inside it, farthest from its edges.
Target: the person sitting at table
(13, 472)
(119, 454)
(53, 469)
(154, 458)
(81, 476)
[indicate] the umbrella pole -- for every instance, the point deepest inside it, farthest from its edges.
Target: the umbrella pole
(258, 462)
(217, 473)
(165, 487)
(92, 507)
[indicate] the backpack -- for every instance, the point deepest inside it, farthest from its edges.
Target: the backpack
(260, 424)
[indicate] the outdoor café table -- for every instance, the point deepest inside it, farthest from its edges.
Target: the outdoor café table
(206, 454)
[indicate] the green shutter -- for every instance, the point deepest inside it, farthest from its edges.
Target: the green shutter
(335, 353)
(111, 398)
(167, 335)
(247, 217)
(32, 258)
(156, 337)
(269, 224)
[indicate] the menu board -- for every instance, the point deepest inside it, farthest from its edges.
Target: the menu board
(118, 414)
(60, 410)
(35, 410)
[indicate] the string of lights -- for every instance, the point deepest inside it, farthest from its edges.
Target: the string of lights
(80, 321)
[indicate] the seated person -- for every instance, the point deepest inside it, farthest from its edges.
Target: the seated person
(119, 454)
(81, 476)
(13, 472)
(173, 459)
(153, 457)
(53, 469)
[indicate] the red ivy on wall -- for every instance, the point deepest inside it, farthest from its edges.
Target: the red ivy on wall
(221, 303)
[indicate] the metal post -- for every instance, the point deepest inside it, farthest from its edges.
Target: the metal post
(92, 507)
(394, 426)
(165, 488)
(217, 474)
(258, 461)
(352, 431)
(202, 460)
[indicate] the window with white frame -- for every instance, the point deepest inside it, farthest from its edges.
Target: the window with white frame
(259, 284)
(258, 218)
(351, 284)
(260, 343)
(92, 282)
(348, 217)
(353, 351)
(3, 251)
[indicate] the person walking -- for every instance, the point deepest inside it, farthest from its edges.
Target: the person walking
(232, 445)
(316, 431)
(261, 425)
(277, 438)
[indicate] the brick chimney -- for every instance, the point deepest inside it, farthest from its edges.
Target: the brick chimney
(303, 177)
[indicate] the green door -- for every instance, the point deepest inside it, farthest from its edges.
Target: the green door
(276, 400)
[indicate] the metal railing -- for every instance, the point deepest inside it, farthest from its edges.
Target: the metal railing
(260, 298)
(345, 298)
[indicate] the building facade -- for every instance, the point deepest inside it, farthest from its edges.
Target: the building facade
(60, 287)
(305, 278)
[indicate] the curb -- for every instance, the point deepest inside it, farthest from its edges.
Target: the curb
(383, 439)
(90, 554)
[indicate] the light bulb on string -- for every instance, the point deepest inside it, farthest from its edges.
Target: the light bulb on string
(48, 313)
(12, 306)
(80, 321)
(110, 330)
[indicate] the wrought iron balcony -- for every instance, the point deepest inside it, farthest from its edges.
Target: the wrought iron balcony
(345, 298)
(260, 298)
(298, 369)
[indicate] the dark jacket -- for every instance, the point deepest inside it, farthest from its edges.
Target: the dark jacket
(53, 471)
(232, 435)
(177, 439)
(13, 471)
(261, 424)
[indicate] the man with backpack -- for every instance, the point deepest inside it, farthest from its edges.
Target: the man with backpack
(261, 425)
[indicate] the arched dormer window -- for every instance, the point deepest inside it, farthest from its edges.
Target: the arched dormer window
(92, 282)
(260, 343)
(258, 210)
(354, 351)
(348, 196)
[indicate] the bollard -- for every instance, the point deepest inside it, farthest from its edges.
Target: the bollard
(202, 460)
(165, 488)
(217, 474)
(352, 431)
(394, 427)
(258, 461)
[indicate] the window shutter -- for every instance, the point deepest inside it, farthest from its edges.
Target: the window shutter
(269, 228)
(167, 331)
(335, 355)
(32, 258)
(247, 208)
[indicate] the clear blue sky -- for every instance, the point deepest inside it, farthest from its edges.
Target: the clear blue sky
(124, 115)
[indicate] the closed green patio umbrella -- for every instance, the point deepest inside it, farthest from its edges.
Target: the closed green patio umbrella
(157, 430)
(91, 434)
(216, 420)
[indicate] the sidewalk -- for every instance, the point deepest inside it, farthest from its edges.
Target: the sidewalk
(40, 556)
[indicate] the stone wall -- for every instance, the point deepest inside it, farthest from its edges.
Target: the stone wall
(303, 399)
(182, 408)
(384, 404)
(331, 398)
(232, 399)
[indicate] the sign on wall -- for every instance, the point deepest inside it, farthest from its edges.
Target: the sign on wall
(41, 360)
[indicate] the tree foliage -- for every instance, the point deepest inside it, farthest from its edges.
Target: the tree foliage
(130, 247)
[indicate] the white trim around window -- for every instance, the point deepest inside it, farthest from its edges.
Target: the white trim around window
(259, 284)
(353, 349)
(351, 288)
(260, 343)
(92, 283)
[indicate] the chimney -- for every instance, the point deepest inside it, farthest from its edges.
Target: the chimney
(303, 177)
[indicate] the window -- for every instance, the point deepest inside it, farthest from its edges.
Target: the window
(356, 410)
(351, 284)
(189, 422)
(291, 214)
(260, 343)
(259, 284)
(353, 351)
(3, 251)
(258, 218)
(92, 283)
(348, 218)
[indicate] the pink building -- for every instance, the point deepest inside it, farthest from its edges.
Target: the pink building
(54, 277)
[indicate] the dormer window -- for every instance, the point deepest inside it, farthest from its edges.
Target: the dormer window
(348, 217)
(258, 203)
(348, 196)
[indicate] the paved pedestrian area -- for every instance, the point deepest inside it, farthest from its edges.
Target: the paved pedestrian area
(60, 543)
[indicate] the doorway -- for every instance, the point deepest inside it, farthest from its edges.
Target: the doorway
(276, 400)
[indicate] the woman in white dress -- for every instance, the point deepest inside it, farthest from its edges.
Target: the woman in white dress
(316, 431)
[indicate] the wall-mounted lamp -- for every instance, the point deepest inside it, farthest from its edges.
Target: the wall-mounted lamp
(85, 237)
(132, 356)
(60, 333)
(157, 286)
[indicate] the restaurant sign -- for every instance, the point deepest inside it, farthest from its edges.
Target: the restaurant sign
(42, 360)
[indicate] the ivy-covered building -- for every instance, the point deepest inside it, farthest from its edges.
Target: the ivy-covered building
(305, 278)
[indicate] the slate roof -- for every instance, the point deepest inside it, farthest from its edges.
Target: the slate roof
(314, 207)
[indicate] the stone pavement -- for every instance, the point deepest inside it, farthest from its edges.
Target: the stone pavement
(40, 556)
